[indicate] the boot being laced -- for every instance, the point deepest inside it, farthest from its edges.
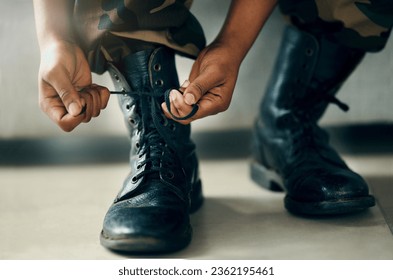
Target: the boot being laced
(151, 212)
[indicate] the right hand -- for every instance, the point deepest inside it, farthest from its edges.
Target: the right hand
(66, 92)
(211, 84)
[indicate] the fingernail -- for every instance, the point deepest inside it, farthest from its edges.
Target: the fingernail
(189, 99)
(74, 109)
(185, 84)
(172, 95)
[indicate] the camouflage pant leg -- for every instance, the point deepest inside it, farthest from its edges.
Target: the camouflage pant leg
(364, 24)
(101, 24)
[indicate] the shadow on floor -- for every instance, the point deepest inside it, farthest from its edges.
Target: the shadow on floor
(237, 228)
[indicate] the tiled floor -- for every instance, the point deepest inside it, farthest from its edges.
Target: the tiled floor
(54, 211)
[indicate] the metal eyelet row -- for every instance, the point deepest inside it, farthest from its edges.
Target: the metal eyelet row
(157, 68)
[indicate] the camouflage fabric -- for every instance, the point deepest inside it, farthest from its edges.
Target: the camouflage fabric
(101, 25)
(363, 24)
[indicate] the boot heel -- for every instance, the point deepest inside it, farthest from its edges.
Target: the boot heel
(266, 178)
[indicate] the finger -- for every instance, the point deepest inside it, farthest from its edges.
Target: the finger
(104, 95)
(95, 100)
(206, 109)
(88, 99)
(178, 106)
(52, 105)
(68, 122)
(183, 87)
(169, 112)
(64, 120)
(66, 91)
(100, 97)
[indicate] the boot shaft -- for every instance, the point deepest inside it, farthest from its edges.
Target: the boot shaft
(144, 77)
(309, 71)
(161, 149)
(150, 70)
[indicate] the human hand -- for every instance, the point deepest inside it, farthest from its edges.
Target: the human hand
(211, 83)
(66, 92)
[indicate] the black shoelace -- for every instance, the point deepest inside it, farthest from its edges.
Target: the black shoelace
(152, 143)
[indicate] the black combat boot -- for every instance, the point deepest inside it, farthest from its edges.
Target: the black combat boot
(151, 212)
(291, 152)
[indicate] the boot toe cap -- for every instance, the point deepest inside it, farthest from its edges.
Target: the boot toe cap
(145, 229)
(329, 192)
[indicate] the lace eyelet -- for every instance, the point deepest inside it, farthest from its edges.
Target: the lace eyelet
(157, 67)
(134, 179)
(159, 83)
(124, 90)
(170, 175)
(309, 52)
(172, 127)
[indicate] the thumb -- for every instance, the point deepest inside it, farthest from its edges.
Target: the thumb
(202, 83)
(70, 97)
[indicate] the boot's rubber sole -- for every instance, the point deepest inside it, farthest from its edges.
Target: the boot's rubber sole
(330, 207)
(147, 245)
(269, 179)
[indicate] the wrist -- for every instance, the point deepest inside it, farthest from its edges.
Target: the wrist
(230, 48)
(60, 44)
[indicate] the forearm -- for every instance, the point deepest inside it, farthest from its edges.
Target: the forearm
(53, 21)
(244, 21)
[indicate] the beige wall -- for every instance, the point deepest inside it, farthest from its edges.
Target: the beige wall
(368, 92)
